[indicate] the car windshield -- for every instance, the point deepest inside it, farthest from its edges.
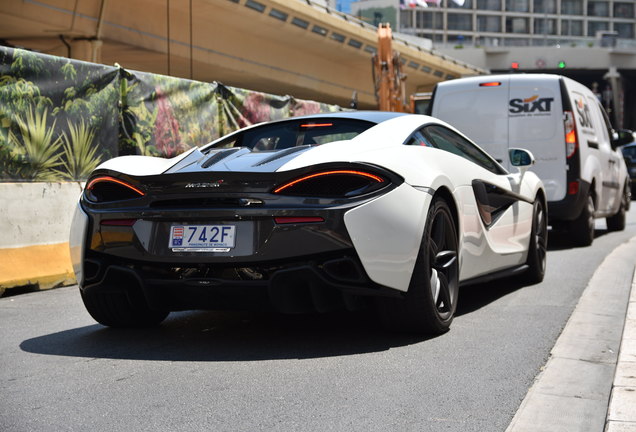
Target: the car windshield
(293, 133)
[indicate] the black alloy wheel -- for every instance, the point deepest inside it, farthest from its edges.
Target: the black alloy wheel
(430, 303)
(582, 228)
(538, 246)
(618, 221)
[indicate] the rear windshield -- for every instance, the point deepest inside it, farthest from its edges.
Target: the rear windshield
(282, 135)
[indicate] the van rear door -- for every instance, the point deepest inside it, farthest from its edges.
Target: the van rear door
(535, 113)
(478, 107)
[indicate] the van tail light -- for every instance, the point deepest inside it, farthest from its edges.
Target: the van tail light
(573, 188)
(571, 143)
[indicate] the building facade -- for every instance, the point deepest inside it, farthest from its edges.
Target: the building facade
(522, 22)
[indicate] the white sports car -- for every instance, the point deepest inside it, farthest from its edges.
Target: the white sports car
(308, 214)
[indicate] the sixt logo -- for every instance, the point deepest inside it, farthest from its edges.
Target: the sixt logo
(215, 184)
(583, 110)
(530, 105)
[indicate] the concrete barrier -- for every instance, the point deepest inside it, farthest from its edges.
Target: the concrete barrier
(35, 219)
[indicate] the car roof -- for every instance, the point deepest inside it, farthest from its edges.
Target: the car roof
(371, 116)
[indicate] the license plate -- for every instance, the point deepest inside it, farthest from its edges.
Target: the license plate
(202, 238)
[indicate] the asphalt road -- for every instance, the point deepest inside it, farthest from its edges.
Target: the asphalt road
(246, 372)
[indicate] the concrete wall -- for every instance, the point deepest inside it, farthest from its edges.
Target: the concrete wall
(35, 219)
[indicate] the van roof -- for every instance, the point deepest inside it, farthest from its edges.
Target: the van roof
(505, 77)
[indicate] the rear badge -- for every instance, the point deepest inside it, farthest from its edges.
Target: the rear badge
(215, 184)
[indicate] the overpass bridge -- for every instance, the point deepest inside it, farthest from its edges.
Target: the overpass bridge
(294, 47)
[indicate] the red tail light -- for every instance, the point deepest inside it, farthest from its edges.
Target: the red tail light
(313, 125)
(106, 188)
(571, 143)
(573, 188)
(336, 183)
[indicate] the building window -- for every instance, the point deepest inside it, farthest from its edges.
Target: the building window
(487, 23)
(338, 37)
(598, 8)
(260, 7)
(430, 20)
(545, 26)
(571, 28)
(435, 37)
(489, 5)
(517, 25)
(320, 30)
(406, 19)
(460, 39)
(460, 22)
(623, 10)
(624, 30)
(300, 23)
(572, 7)
(596, 26)
(544, 6)
(516, 42)
(517, 6)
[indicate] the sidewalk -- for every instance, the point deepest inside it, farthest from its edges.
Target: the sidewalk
(589, 382)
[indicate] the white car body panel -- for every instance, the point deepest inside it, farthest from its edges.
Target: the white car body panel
(502, 246)
(387, 236)
(144, 165)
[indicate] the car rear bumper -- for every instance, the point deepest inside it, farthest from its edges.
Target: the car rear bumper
(314, 284)
(571, 206)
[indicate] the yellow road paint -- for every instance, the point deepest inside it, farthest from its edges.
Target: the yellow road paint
(45, 265)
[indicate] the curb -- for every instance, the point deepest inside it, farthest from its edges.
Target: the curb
(621, 415)
(572, 392)
(47, 266)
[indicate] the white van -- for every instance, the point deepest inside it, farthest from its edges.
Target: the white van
(565, 127)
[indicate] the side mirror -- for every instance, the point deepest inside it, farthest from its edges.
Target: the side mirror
(521, 158)
(621, 137)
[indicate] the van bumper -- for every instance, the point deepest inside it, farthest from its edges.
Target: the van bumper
(570, 207)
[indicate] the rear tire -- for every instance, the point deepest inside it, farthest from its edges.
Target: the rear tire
(430, 303)
(121, 308)
(617, 221)
(581, 230)
(537, 248)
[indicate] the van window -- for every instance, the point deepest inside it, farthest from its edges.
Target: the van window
(606, 120)
(445, 139)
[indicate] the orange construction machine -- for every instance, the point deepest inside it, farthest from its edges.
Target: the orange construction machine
(390, 90)
(388, 78)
